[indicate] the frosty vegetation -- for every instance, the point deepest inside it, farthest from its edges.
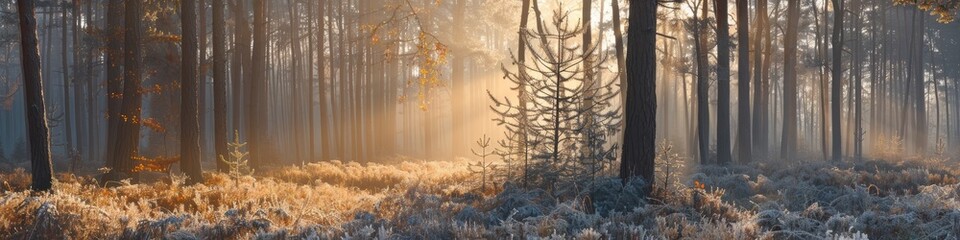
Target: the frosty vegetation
(443, 200)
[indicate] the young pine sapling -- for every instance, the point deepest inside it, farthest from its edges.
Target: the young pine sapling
(238, 161)
(482, 167)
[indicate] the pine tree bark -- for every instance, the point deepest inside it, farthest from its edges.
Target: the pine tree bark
(723, 82)
(703, 87)
(744, 137)
(189, 114)
(114, 78)
(128, 139)
(257, 112)
(837, 78)
(65, 73)
(327, 149)
(618, 42)
(759, 104)
(241, 71)
(789, 136)
(220, 132)
(295, 98)
(638, 153)
(41, 167)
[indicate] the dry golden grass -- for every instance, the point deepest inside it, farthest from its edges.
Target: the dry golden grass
(316, 194)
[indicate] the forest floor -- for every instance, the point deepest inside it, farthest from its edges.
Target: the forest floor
(441, 200)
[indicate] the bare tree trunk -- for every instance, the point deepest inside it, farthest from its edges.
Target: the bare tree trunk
(296, 100)
(220, 132)
(703, 86)
(641, 106)
(325, 127)
(744, 137)
(618, 41)
(128, 140)
(919, 76)
(241, 70)
(723, 82)
(789, 136)
(114, 78)
(65, 68)
(836, 82)
(257, 107)
(41, 167)
(189, 115)
(759, 105)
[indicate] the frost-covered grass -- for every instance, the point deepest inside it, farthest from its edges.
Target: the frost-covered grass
(441, 200)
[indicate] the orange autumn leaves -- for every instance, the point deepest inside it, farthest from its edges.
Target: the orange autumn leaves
(945, 9)
(431, 55)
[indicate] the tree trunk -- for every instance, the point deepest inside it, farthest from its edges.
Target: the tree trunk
(703, 86)
(837, 78)
(220, 132)
(189, 115)
(114, 78)
(257, 112)
(618, 41)
(641, 107)
(128, 140)
(325, 127)
(744, 137)
(759, 105)
(65, 68)
(295, 98)
(241, 70)
(723, 82)
(41, 167)
(789, 136)
(919, 77)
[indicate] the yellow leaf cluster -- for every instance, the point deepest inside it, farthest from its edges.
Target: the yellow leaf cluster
(432, 55)
(945, 10)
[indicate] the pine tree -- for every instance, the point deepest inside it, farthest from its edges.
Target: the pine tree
(41, 166)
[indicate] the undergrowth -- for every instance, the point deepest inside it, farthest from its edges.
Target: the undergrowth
(441, 200)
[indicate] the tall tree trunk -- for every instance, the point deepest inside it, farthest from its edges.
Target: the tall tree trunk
(325, 140)
(837, 78)
(65, 68)
(618, 42)
(257, 112)
(220, 85)
(744, 137)
(759, 105)
(588, 80)
(189, 115)
(641, 106)
(821, 45)
(311, 156)
(857, 84)
(919, 77)
(202, 76)
(41, 167)
(789, 136)
(241, 70)
(92, 118)
(114, 77)
(295, 98)
(522, 88)
(703, 86)
(128, 141)
(723, 82)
